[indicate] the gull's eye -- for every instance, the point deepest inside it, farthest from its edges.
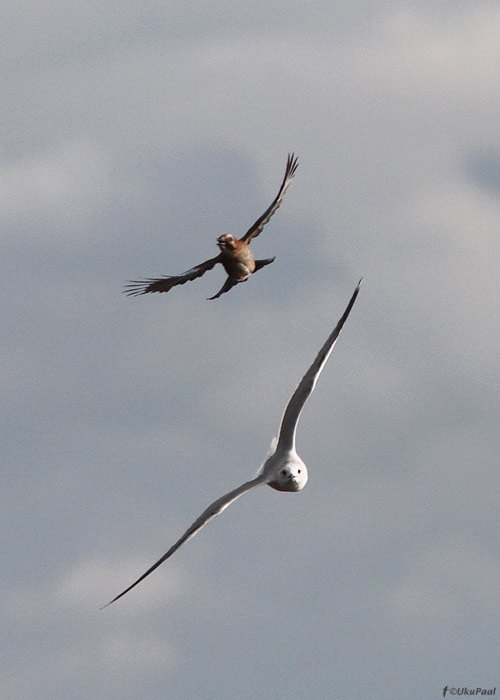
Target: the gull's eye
(283, 472)
(298, 471)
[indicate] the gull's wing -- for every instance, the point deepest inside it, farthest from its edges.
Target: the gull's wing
(305, 388)
(291, 166)
(214, 509)
(164, 284)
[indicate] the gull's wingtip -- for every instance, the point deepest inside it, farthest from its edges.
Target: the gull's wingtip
(358, 287)
(355, 293)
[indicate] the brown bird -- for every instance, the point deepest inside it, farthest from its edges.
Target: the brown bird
(235, 254)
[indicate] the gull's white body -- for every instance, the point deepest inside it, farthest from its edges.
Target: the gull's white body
(282, 469)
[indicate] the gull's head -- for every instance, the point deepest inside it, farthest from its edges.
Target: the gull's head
(290, 476)
(226, 241)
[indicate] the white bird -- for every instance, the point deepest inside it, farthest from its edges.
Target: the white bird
(282, 469)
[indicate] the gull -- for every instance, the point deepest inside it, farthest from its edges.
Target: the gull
(235, 254)
(282, 469)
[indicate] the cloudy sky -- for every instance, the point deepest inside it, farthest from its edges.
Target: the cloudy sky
(133, 134)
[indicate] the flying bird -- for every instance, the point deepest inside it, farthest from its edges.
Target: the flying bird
(282, 469)
(235, 254)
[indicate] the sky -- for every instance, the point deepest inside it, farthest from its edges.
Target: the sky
(133, 135)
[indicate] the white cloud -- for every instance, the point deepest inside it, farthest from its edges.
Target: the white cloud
(74, 644)
(451, 581)
(59, 187)
(83, 589)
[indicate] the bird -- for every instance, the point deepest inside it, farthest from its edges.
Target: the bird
(282, 469)
(235, 254)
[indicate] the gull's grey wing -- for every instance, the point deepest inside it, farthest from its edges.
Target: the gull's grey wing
(293, 410)
(164, 284)
(213, 509)
(254, 230)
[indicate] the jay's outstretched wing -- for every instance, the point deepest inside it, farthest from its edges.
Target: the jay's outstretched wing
(165, 284)
(291, 166)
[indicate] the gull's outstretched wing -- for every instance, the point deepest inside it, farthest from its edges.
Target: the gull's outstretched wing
(164, 284)
(293, 410)
(214, 509)
(291, 166)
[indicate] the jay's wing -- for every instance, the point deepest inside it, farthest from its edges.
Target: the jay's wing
(291, 166)
(228, 284)
(165, 284)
